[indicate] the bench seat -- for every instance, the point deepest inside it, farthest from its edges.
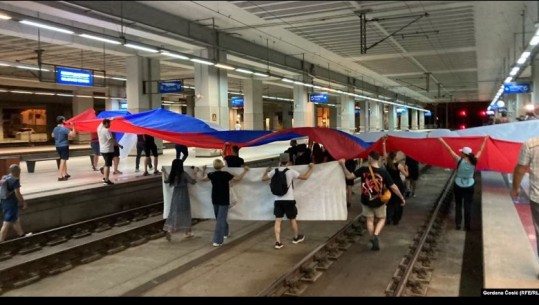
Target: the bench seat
(31, 163)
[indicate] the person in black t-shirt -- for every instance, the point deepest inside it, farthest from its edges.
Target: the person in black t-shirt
(220, 197)
(369, 186)
(234, 159)
(150, 147)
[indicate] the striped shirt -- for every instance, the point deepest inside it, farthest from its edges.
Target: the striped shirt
(529, 156)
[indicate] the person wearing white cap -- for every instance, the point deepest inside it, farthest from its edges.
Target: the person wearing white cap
(463, 187)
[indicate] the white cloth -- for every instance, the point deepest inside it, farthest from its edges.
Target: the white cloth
(238, 126)
(290, 176)
(321, 197)
(128, 141)
(529, 156)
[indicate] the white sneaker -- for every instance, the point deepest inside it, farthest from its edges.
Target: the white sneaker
(217, 245)
(225, 237)
(28, 234)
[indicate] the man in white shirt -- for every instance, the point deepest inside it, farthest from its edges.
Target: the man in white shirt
(106, 146)
(238, 125)
(286, 204)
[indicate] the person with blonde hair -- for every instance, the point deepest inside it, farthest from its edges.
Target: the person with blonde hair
(220, 197)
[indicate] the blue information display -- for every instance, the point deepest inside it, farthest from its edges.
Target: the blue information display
(428, 114)
(68, 76)
(516, 88)
(236, 101)
(318, 97)
(170, 86)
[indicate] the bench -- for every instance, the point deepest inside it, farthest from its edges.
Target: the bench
(31, 163)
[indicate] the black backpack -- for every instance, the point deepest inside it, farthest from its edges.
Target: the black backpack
(278, 183)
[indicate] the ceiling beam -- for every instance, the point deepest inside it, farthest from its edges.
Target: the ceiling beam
(149, 16)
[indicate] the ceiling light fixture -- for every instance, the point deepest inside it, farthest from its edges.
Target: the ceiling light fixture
(244, 71)
(44, 26)
(142, 48)
(100, 38)
(201, 61)
(4, 16)
(226, 67)
(178, 56)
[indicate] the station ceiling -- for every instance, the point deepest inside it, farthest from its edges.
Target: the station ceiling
(431, 51)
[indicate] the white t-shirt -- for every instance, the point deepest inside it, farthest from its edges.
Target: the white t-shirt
(106, 140)
(290, 176)
(238, 126)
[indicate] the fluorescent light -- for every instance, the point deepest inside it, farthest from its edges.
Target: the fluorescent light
(534, 41)
(99, 76)
(63, 94)
(307, 85)
(101, 97)
(222, 66)
(298, 82)
(514, 71)
(134, 46)
(523, 58)
(21, 92)
(5, 65)
(507, 80)
(167, 53)
(44, 93)
(32, 68)
(84, 96)
(44, 26)
(261, 74)
(244, 71)
(118, 78)
(3, 90)
(286, 80)
(4, 16)
(201, 61)
(100, 38)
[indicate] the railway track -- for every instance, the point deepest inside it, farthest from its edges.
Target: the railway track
(28, 259)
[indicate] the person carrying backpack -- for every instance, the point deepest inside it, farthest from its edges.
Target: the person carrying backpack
(282, 187)
(11, 200)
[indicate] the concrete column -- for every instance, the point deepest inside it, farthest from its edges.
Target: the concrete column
(253, 118)
(334, 112)
(405, 121)
(190, 100)
(364, 124)
(287, 116)
(535, 78)
(1, 123)
(82, 101)
(375, 117)
(142, 85)
(211, 93)
(414, 119)
(392, 117)
(345, 114)
(303, 110)
(422, 120)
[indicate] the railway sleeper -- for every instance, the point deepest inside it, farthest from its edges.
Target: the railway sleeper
(102, 226)
(334, 253)
(89, 256)
(59, 268)
(343, 243)
(415, 289)
(26, 278)
(155, 212)
(295, 286)
(121, 221)
(29, 248)
(323, 261)
(139, 216)
(114, 247)
(157, 235)
(390, 289)
(82, 232)
(5, 255)
(310, 274)
(137, 240)
(422, 274)
(56, 240)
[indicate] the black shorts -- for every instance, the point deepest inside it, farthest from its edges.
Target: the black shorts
(287, 207)
(150, 148)
(108, 158)
(350, 181)
(63, 152)
(116, 152)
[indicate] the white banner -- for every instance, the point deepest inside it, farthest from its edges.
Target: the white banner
(321, 197)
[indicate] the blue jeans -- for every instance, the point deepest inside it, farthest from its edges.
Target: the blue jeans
(221, 225)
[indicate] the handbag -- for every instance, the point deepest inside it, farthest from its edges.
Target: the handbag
(385, 195)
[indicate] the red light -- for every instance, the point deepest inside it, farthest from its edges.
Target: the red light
(462, 126)
(462, 113)
(483, 113)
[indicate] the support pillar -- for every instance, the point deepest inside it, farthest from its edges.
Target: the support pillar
(364, 124)
(142, 86)
(190, 100)
(345, 114)
(414, 119)
(288, 114)
(376, 117)
(421, 120)
(392, 117)
(211, 94)
(253, 117)
(82, 101)
(535, 77)
(405, 121)
(303, 109)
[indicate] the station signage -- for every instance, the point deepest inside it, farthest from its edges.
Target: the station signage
(77, 77)
(237, 101)
(428, 114)
(170, 86)
(514, 88)
(318, 97)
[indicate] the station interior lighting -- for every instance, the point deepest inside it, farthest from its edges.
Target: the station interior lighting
(178, 55)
